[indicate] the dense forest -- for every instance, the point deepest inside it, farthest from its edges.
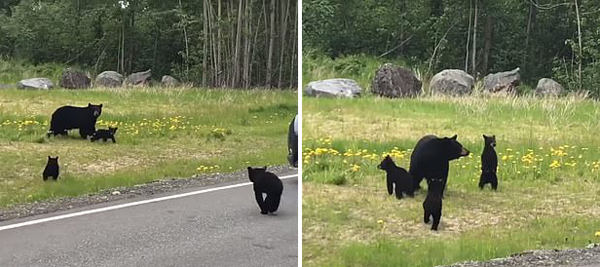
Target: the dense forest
(213, 43)
(544, 38)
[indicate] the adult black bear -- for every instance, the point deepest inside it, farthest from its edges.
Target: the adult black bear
(396, 176)
(69, 117)
(293, 142)
(432, 205)
(431, 156)
(489, 163)
(105, 134)
(268, 183)
(51, 169)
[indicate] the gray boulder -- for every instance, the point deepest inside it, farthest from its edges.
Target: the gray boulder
(333, 88)
(548, 87)
(502, 82)
(451, 82)
(35, 83)
(109, 78)
(139, 78)
(74, 79)
(169, 81)
(391, 81)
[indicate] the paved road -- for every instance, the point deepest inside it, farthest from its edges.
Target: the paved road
(219, 228)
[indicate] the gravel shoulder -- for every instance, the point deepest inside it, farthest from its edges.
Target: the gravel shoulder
(583, 257)
(120, 193)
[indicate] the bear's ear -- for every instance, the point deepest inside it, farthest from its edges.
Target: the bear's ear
(494, 136)
(49, 157)
(100, 105)
(249, 168)
(484, 136)
(454, 137)
(265, 168)
(89, 104)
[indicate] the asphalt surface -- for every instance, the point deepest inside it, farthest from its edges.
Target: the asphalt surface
(219, 228)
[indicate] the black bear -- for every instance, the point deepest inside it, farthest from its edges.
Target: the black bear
(432, 205)
(431, 156)
(105, 134)
(51, 169)
(396, 176)
(69, 117)
(293, 142)
(268, 183)
(489, 163)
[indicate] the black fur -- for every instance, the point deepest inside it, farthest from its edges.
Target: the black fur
(398, 177)
(489, 163)
(432, 205)
(268, 183)
(105, 134)
(69, 117)
(431, 156)
(52, 169)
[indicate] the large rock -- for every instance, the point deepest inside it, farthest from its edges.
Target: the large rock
(548, 87)
(35, 83)
(451, 82)
(109, 78)
(391, 81)
(139, 78)
(74, 79)
(333, 88)
(502, 82)
(169, 81)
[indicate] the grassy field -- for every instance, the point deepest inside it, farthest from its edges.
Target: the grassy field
(162, 133)
(549, 172)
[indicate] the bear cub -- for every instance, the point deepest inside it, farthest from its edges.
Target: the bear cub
(269, 184)
(433, 202)
(397, 177)
(51, 169)
(105, 134)
(69, 117)
(489, 163)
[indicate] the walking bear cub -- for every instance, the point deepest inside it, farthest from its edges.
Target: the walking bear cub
(69, 117)
(397, 177)
(432, 205)
(489, 163)
(51, 169)
(105, 134)
(268, 183)
(431, 156)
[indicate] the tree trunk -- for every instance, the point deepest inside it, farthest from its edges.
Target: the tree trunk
(284, 15)
(271, 40)
(238, 46)
(487, 45)
(474, 53)
(218, 40)
(530, 24)
(205, 44)
(468, 36)
(579, 40)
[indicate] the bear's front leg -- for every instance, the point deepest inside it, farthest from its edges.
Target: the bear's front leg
(426, 217)
(259, 199)
(436, 220)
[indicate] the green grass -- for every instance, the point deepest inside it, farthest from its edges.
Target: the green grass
(549, 171)
(162, 133)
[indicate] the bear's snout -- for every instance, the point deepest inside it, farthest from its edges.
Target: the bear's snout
(464, 152)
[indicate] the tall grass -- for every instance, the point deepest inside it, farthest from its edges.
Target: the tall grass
(12, 71)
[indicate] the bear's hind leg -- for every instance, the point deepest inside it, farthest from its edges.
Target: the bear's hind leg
(436, 220)
(275, 199)
(398, 190)
(426, 217)
(259, 199)
(494, 181)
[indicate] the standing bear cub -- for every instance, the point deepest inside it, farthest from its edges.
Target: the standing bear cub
(105, 134)
(51, 169)
(396, 177)
(69, 117)
(489, 163)
(269, 184)
(432, 205)
(431, 156)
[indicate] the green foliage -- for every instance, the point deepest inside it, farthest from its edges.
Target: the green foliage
(542, 41)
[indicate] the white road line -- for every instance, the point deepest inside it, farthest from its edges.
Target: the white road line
(126, 205)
